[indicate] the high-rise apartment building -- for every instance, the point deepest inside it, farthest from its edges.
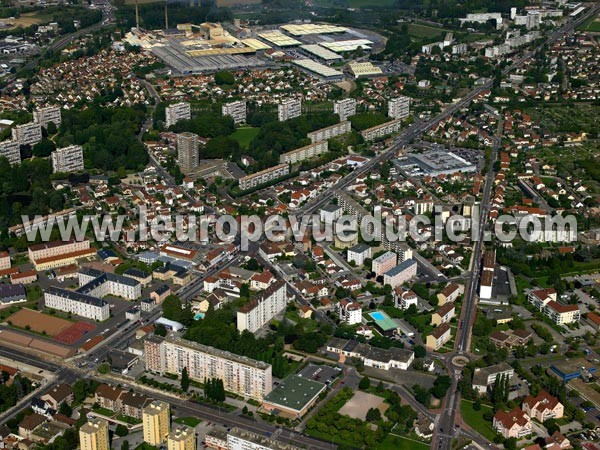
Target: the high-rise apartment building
(67, 159)
(156, 421)
(399, 108)
(44, 116)
(236, 110)
(288, 109)
(266, 305)
(93, 435)
(176, 112)
(188, 155)
(345, 108)
(241, 375)
(181, 438)
(11, 150)
(27, 134)
(534, 19)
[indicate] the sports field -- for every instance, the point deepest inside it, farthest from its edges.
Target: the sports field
(39, 322)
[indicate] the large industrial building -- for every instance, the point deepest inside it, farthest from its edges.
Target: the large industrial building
(435, 163)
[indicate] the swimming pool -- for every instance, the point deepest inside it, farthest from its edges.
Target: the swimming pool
(377, 315)
(199, 316)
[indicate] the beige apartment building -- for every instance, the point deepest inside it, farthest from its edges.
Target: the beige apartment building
(241, 375)
(181, 438)
(93, 435)
(156, 421)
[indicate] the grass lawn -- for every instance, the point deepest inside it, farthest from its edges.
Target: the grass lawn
(592, 25)
(244, 135)
(475, 419)
(129, 420)
(400, 443)
(424, 31)
(104, 411)
(189, 421)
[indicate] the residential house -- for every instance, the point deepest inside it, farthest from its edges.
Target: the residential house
(513, 424)
(543, 407)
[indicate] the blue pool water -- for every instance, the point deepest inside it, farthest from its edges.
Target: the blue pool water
(199, 316)
(377, 315)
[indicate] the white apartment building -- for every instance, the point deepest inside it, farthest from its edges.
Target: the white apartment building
(76, 303)
(384, 263)
(330, 213)
(562, 314)
(345, 108)
(176, 112)
(349, 312)
(358, 254)
(236, 110)
(264, 176)
(44, 116)
(188, 153)
(67, 159)
(288, 109)
(266, 305)
(27, 134)
(11, 150)
(100, 284)
(534, 19)
(379, 131)
(302, 153)
(405, 299)
(399, 107)
(400, 274)
(241, 375)
(238, 439)
(332, 131)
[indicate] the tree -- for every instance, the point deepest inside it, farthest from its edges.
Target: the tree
(160, 330)
(44, 148)
(380, 387)
(121, 430)
(441, 386)
(185, 380)
(224, 77)
(125, 445)
(364, 383)
(373, 415)
(65, 409)
(419, 350)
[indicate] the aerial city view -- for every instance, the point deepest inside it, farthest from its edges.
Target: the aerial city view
(299, 224)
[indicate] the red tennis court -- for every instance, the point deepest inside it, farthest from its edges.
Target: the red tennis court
(74, 333)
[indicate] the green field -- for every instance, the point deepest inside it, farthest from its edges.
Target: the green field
(189, 421)
(475, 419)
(592, 25)
(424, 31)
(244, 135)
(371, 3)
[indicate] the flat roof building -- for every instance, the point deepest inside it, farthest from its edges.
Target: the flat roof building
(67, 159)
(293, 397)
(156, 420)
(93, 435)
(11, 150)
(289, 109)
(176, 112)
(44, 116)
(188, 155)
(181, 438)
(236, 110)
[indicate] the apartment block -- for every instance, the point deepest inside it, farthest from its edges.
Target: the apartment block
(302, 153)
(264, 176)
(485, 378)
(176, 112)
(236, 110)
(100, 284)
(345, 108)
(27, 134)
(438, 337)
(399, 107)
(44, 116)
(384, 263)
(5, 261)
(330, 132)
(443, 315)
(156, 420)
(359, 253)
(188, 153)
(93, 435)
(379, 131)
(288, 109)
(76, 303)
(400, 274)
(11, 150)
(181, 438)
(349, 312)
(51, 255)
(266, 305)
(241, 375)
(512, 424)
(238, 439)
(562, 314)
(67, 159)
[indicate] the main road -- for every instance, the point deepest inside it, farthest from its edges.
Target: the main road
(447, 424)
